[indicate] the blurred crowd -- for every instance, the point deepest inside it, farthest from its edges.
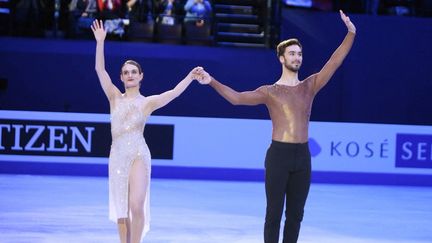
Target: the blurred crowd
(159, 20)
(72, 18)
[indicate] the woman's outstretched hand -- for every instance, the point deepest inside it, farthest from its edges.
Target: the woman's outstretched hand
(98, 30)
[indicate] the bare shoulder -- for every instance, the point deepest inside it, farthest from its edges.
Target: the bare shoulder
(146, 103)
(143, 100)
(149, 99)
(114, 100)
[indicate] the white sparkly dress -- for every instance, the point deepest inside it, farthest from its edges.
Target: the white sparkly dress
(128, 145)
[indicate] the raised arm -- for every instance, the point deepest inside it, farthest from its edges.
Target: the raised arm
(255, 97)
(338, 56)
(108, 87)
(158, 101)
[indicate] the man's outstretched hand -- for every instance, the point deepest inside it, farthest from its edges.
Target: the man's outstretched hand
(350, 26)
(204, 77)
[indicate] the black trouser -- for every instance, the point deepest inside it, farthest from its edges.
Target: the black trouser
(288, 169)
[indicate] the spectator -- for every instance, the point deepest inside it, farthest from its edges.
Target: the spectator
(111, 9)
(140, 11)
(113, 12)
(168, 11)
(82, 13)
(198, 11)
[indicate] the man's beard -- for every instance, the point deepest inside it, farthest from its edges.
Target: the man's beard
(292, 68)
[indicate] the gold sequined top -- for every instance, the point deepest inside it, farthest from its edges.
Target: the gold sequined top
(289, 106)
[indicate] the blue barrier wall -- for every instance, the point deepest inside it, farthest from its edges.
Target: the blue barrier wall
(57, 143)
(385, 79)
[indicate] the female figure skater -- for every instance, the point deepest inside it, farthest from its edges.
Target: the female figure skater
(129, 160)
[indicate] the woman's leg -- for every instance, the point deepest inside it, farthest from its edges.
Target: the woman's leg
(138, 181)
(123, 229)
